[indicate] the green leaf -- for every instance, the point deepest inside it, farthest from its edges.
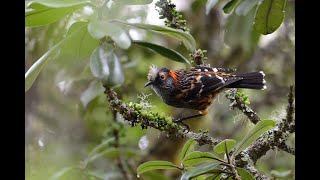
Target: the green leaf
(245, 7)
(99, 29)
(153, 165)
(58, 175)
(77, 44)
(230, 6)
(212, 168)
(269, 16)
(95, 89)
(244, 174)
(39, 15)
(187, 148)
(169, 53)
(36, 68)
(105, 66)
(214, 177)
(135, 2)
(220, 148)
(62, 3)
(197, 157)
(283, 174)
(210, 4)
(185, 37)
(239, 34)
(260, 128)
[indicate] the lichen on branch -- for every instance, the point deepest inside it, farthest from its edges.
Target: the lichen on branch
(135, 113)
(167, 10)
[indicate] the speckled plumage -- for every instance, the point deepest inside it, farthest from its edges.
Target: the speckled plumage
(198, 87)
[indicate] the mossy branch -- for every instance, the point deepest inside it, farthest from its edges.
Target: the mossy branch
(135, 114)
(272, 139)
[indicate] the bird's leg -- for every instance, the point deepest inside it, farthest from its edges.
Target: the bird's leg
(180, 120)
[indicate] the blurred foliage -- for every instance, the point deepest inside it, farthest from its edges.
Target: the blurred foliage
(71, 133)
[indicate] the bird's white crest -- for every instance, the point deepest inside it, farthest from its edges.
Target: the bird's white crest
(153, 70)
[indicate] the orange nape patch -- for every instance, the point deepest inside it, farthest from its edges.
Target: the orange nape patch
(173, 75)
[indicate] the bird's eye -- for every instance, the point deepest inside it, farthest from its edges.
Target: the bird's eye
(162, 77)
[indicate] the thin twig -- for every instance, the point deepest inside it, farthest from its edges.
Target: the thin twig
(238, 103)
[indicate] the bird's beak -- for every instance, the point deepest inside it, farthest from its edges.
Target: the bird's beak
(148, 83)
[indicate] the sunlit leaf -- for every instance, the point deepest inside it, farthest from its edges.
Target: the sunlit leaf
(210, 4)
(282, 174)
(105, 66)
(185, 37)
(260, 128)
(153, 165)
(99, 29)
(36, 68)
(62, 3)
(220, 148)
(197, 157)
(135, 2)
(269, 16)
(169, 53)
(95, 89)
(78, 44)
(230, 6)
(244, 174)
(212, 168)
(245, 6)
(38, 15)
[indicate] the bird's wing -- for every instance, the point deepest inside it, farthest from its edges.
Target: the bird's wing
(204, 80)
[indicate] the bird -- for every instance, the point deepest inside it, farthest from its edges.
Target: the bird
(197, 87)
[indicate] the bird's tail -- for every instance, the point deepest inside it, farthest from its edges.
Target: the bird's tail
(252, 80)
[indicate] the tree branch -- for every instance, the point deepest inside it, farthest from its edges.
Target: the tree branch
(274, 138)
(137, 115)
(238, 102)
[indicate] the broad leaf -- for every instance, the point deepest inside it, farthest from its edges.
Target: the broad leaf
(185, 37)
(214, 177)
(135, 2)
(197, 157)
(62, 3)
(230, 6)
(245, 7)
(105, 66)
(244, 174)
(39, 15)
(169, 53)
(210, 4)
(78, 44)
(282, 174)
(95, 89)
(220, 148)
(212, 168)
(99, 29)
(36, 68)
(153, 165)
(187, 148)
(239, 33)
(260, 128)
(269, 16)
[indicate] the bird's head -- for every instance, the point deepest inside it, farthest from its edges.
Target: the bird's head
(160, 79)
